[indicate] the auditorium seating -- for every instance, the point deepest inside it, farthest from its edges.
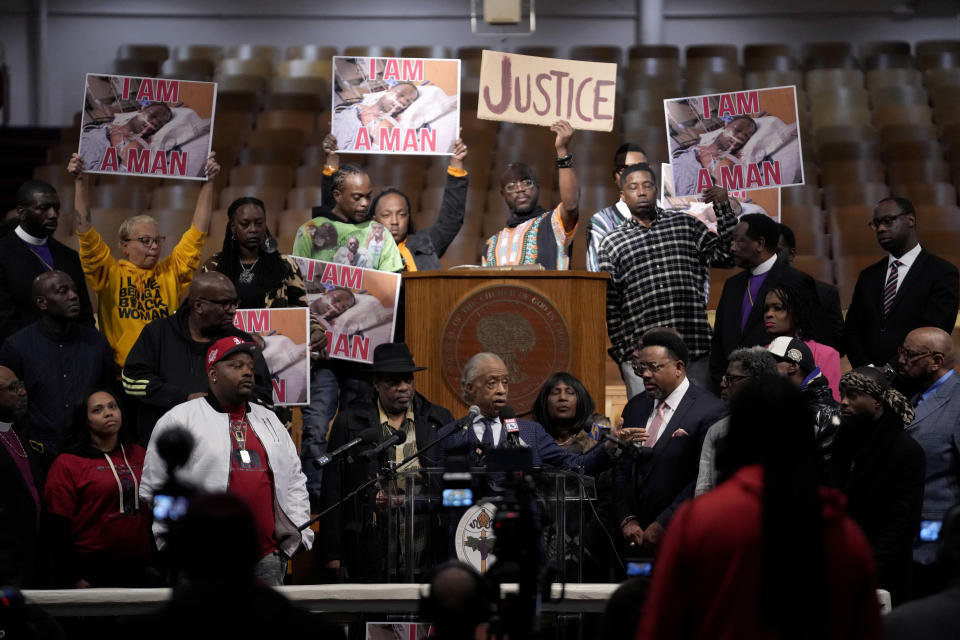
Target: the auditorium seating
(879, 118)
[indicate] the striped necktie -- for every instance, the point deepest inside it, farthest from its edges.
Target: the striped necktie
(890, 290)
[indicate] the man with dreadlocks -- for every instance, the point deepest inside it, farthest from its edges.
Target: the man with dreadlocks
(349, 219)
(881, 469)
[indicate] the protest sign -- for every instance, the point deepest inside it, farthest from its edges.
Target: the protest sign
(357, 307)
(396, 105)
(534, 90)
(285, 333)
(741, 141)
(765, 201)
(159, 128)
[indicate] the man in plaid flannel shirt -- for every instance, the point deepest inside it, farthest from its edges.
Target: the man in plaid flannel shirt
(658, 263)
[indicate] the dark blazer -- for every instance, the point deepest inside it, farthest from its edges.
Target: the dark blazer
(727, 335)
(831, 325)
(18, 267)
(882, 473)
(936, 427)
(928, 297)
(926, 619)
(356, 517)
(653, 486)
(544, 448)
(22, 554)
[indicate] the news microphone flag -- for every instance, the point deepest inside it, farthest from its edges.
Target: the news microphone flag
(597, 431)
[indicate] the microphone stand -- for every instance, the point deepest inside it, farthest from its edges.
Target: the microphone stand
(385, 473)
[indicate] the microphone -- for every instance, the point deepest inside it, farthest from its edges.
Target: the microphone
(508, 418)
(466, 421)
(601, 433)
(396, 437)
(369, 435)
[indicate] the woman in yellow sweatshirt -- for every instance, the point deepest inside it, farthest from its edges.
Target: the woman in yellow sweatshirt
(139, 287)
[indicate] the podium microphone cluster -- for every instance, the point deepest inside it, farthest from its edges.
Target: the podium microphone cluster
(396, 437)
(508, 418)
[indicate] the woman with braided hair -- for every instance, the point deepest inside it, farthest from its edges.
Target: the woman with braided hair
(881, 469)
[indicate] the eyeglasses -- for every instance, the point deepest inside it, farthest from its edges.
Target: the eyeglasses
(223, 304)
(885, 221)
(907, 354)
(149, 241)
(522, 185)
(14, 387)
(652, 367)
(729, 379)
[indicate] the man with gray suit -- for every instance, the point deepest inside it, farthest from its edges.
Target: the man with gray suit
(925, 361)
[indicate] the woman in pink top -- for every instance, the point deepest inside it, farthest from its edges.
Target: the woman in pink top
(788, 311)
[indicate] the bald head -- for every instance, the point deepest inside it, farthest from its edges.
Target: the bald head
(458, 600)
(55, 294)
(209, 284)
(926, 355)
(213, 303)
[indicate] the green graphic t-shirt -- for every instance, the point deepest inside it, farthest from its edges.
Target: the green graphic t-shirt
(367, 245)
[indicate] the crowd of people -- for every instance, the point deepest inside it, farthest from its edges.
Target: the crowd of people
(768, 485)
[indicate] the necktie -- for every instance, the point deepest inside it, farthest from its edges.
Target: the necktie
(890, 290)
(655, 425)
(487, 440)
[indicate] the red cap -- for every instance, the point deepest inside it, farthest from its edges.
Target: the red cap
(227, 346)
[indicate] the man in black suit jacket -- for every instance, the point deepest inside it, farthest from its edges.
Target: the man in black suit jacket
(671, 419)
(739, 319)
(829, 296)
(30, 250)
(924, 291)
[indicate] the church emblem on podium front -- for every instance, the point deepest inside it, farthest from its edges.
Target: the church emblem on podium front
(474, 537)
(518, 324)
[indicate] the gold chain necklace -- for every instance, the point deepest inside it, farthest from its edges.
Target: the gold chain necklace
(23, 452)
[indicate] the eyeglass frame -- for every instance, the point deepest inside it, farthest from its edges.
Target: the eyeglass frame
(911, 356)
(727, 377)
(14, 387)
(223, 304)
(886, 221)
(148, 241)
(653, 367)
(520, 185)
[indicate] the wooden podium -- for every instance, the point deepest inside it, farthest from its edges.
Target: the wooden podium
(539, 322)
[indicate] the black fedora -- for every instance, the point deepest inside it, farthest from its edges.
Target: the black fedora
(393, 357)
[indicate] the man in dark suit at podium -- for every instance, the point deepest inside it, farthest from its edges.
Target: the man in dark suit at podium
(909, 288)
(485, 384)
(671, 418)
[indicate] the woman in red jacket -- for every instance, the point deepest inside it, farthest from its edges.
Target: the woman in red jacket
(102, 531)
(768, 553)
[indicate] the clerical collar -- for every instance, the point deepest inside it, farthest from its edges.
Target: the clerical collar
(5, 426)
(29, 239)
(764, 266)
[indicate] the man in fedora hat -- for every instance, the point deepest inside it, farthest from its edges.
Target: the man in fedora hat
(354, 535)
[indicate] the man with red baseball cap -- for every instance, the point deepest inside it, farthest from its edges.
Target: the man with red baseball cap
(166, 365)
(240, 448)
